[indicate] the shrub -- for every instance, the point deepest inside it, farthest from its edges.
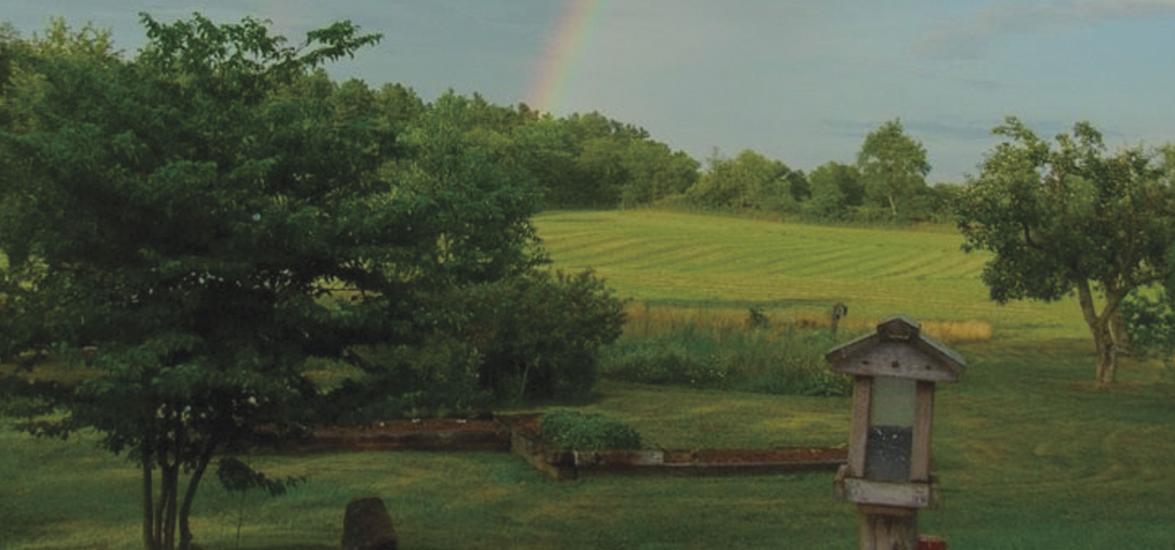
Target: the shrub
(531, 336)
(539, 334)
(756, 318)
(1150, 323)
(432, 378)
(664, 361)
(574, 430)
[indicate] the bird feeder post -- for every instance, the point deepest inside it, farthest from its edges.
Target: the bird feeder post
(887, 474)
(887, 527)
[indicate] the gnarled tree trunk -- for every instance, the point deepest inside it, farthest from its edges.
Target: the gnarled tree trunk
(1099, 327)
(1118, 330)
(1107, 353)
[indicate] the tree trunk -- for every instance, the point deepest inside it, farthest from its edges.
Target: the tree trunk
(190, 496)
(1107, 353)
(148, 504)
(1118, 330)
(522, 387)
(893, 207)
(177, 424)
(1099, 327)
(161, 504)
(171, 476)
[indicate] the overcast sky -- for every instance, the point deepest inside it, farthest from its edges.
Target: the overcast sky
(802, 81)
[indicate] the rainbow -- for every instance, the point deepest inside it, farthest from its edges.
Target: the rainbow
(554, 68)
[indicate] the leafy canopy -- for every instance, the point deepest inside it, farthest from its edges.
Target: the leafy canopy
(1058, 216)
(188, 217)
(893, 166)
(1070, 218)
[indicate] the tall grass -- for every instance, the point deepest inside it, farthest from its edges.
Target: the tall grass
(744, 349)
(958, 332)
(950, 332)
(719, 349)
(646, 320)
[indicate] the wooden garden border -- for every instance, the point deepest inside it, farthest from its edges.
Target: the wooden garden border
(518, 434)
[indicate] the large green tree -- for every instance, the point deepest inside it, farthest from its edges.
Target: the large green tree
(1070, 218)
(655, 172)
(749, 180)
(185, 217)
(893, 166)
(835, 188)
(594, 162)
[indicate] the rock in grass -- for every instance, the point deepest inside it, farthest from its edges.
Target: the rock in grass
(367, 525)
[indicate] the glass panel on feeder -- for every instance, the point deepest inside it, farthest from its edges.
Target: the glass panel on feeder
(891, 429)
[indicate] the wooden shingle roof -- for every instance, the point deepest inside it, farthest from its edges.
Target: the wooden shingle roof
(898, 348)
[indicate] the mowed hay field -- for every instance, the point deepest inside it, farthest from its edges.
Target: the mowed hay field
(1029, 453)
(695, 260)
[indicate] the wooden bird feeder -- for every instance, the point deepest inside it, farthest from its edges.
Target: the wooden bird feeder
(895, 369)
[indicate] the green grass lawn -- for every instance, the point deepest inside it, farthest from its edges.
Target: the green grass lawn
(1030, 455)
(670, 258)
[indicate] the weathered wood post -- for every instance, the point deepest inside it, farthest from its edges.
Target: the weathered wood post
(838, 312)
(888, 469)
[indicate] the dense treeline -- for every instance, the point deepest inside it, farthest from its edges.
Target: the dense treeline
(591, 161)
(578, 161)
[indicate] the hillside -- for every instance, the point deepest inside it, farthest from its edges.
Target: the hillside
(669, 258)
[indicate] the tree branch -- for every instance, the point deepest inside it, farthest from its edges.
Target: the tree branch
(1028, 237)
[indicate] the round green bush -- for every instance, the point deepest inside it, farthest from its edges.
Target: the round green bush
(574, 430)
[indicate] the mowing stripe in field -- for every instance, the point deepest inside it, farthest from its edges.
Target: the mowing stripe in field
(671, 257)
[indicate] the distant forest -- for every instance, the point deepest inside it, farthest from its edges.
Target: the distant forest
(592, 161)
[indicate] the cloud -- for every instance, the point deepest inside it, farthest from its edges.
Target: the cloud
(968, 39)
(980, 84)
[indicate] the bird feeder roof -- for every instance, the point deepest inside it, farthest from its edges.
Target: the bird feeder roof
(898, 348)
